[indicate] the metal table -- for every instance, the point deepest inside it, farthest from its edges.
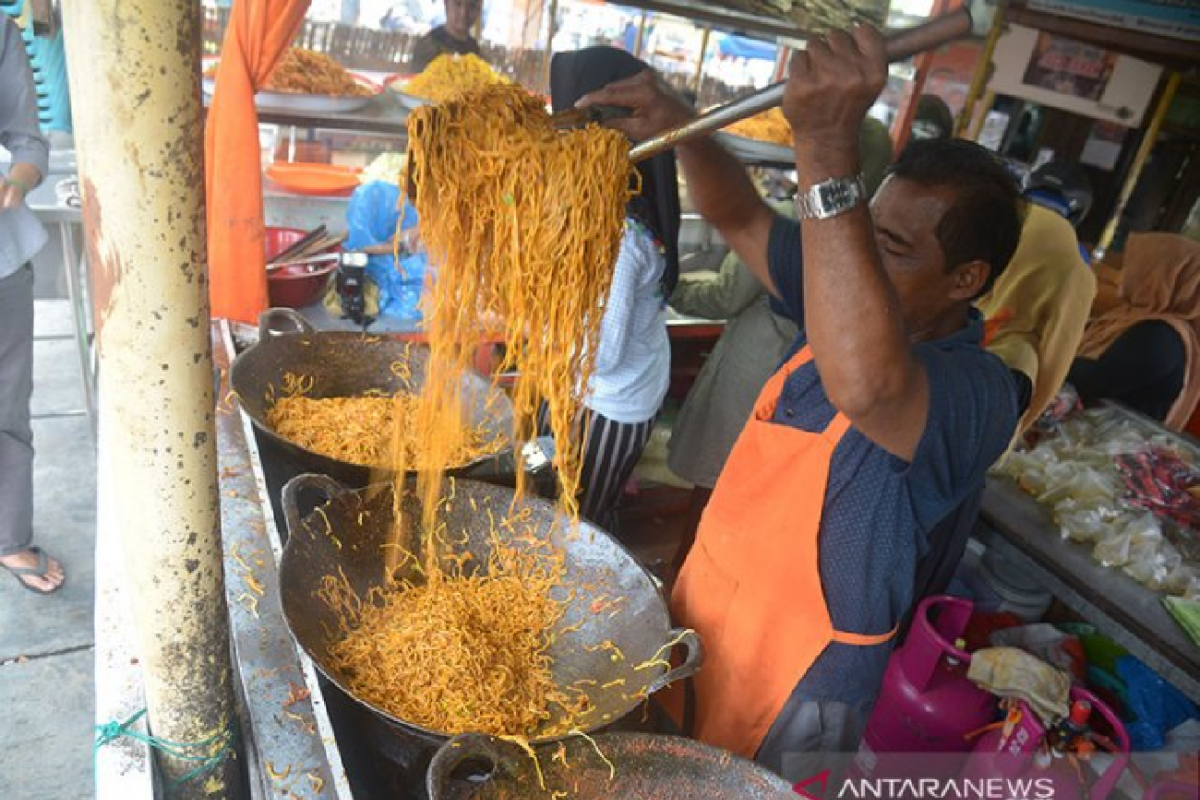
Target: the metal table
(44, 203)
(1119, 607)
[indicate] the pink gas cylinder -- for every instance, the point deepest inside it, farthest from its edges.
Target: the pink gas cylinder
(1019, 752)
(926, 704)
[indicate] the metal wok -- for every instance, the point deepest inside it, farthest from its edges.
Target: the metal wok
(645, 767)
(348, 364)
(608, 595)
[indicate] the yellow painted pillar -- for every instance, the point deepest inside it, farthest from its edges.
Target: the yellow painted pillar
(1139, 162)
(641, 35)
(704, 37)
(553, 14)
(972, 133)
(139, 133)
(983, 73)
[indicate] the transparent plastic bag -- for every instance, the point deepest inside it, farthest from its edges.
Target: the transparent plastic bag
(1071, 481)
(1133, 535)
(372, 218)
(1083, 523)
(1183, 581)
(1112, 550)
(1151, 563)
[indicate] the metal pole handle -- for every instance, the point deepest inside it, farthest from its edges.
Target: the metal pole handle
(900, 45)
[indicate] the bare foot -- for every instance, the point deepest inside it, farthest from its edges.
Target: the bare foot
(47, 582)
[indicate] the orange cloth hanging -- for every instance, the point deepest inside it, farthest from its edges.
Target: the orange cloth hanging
(259, 32)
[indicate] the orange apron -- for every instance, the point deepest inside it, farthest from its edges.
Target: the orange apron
(751, 586)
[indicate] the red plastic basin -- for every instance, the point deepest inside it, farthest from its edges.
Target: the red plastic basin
(299, 285)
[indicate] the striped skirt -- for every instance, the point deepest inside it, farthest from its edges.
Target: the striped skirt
(610, 453)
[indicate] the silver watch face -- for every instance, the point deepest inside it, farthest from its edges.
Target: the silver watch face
(830, 198)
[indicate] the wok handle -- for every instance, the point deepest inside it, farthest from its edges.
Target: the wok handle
(687, 638)
(296, 323)
(499, 755)
(291, 493)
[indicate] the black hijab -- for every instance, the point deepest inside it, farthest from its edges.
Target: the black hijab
(572, 75)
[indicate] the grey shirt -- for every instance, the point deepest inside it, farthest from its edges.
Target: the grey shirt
(749, 350)
(21, 235)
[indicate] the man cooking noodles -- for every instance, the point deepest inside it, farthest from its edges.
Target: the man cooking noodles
(885, 416)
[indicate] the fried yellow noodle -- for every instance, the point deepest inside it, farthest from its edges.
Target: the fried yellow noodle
(459, 652)
(360, 430)
(309, 72)
(522, 224)
(769, 126)
(450, 75)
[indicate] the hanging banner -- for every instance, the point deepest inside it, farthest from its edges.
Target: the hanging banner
(1178, 19)
(1069, 67)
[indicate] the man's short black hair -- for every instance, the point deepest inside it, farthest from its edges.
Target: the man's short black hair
(984, 223)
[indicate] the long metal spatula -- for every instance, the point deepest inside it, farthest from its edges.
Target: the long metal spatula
(975, 19)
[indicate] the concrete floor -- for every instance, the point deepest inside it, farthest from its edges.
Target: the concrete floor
(46, 643)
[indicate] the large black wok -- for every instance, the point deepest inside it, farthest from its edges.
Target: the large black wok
(611, 597)
(349, 364)
(644, 767)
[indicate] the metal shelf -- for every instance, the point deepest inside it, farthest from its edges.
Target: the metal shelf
(805, 19)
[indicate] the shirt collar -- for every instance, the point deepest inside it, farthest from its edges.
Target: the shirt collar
(971, 333)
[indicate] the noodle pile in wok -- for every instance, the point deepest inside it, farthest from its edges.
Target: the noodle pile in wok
(360, 430)
(459, 652)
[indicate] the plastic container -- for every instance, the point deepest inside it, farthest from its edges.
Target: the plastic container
(1000, 583)
(926, 703)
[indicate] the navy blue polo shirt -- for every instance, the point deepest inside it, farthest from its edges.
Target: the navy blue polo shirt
(879, 509)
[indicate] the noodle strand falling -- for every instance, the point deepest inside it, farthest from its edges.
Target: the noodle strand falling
(522, 224)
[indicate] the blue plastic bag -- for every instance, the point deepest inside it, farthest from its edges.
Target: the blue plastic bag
(1157, 705)
(372, 218)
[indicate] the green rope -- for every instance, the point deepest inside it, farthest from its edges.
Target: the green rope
(111, 731)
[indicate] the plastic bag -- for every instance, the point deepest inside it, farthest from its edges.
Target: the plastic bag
(1183, 581)
(1134, 536)
(1152, 563)
(1055, 647)
(1083, 523)
(1159, 480)
(372, 218)
(1070, 481)
(1157, 705)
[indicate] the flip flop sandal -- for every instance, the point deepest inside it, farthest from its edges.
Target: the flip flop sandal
(43, 567)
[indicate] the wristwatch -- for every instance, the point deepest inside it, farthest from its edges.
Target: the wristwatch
(830, 198)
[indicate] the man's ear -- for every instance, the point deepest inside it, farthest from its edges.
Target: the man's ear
(969, 279)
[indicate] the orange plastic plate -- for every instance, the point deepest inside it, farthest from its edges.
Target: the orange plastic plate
(314, 179)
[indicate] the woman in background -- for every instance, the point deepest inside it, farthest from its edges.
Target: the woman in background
(633, 356)
(1145, 353)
